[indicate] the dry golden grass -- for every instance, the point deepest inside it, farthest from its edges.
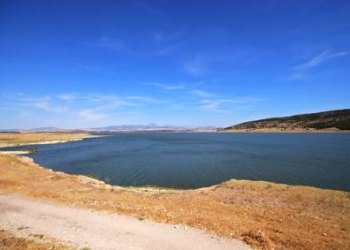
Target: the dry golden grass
(9, 241)
(265, 215)
(23, 138)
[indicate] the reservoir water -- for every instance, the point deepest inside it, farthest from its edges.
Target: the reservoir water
(192, 160)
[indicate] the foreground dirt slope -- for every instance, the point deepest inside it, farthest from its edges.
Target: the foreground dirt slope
(103, 231)
(264, 215)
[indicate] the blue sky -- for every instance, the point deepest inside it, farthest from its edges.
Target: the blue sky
(81, 64)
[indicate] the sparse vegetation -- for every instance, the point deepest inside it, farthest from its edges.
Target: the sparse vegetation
(337, 119)
(40, 236)
(8, 241)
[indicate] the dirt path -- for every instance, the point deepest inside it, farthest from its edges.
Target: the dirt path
(97, 230)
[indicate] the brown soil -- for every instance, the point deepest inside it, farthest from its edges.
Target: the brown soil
(88, 228)
(9, 241)
(265, 215)
(27, 138)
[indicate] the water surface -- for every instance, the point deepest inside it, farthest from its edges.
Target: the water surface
(192, 160)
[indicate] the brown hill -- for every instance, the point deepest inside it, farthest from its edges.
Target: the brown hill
(335, 119)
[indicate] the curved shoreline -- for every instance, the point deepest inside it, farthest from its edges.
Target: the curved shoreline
(200, 185)
(264, 215)
(42, 142)
(22, 152)
(10, 145)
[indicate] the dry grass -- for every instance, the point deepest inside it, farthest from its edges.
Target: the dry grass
(9, 241)
(265, 215)
(24, 138)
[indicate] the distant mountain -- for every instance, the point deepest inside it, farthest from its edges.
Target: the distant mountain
(151, 127)
(45, 129)
(129, 127)
(335, 119)
(10, 130)
(116, 128)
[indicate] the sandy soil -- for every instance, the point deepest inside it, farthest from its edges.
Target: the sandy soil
(14, 152)
(17, 139)
(99, 230)
(4, 145)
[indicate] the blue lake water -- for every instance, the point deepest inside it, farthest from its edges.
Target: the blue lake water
(192, 160)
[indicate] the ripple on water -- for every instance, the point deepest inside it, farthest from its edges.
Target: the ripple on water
(194, 160)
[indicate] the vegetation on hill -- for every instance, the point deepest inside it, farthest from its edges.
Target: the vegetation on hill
(338, 119)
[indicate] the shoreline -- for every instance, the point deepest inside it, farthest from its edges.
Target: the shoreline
(251, 211)
(262, 214)
(22, 153)
(42, 141)
(38, 143)
(101, 183)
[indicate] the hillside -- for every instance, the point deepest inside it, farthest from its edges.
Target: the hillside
(329, 120)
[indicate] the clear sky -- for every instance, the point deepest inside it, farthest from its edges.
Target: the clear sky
(81, 64)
